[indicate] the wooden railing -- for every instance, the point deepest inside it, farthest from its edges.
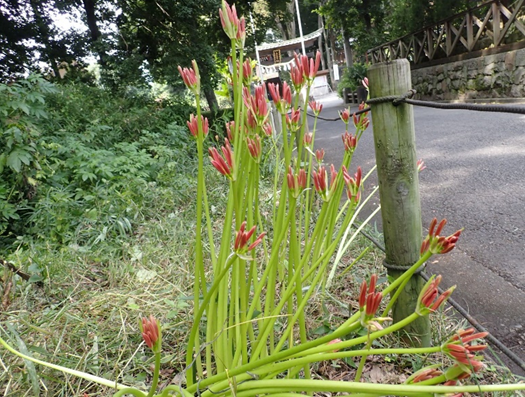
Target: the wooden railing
(488, 25)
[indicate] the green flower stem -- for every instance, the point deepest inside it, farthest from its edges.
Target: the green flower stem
(347, 327)
(78, 374)
(363, 339)
(269, 371)
(362, 362)
(309, 197)
(198, 316)
(305, 385)
(129, 390)
(318, 267)
(200, 276)
(400, 282)
(156, 372)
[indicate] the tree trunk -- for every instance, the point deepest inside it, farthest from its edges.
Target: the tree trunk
(348, 51)
(209, 94)
(44, 32)
(89, 7)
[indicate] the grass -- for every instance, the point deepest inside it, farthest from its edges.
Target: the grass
(85, 316)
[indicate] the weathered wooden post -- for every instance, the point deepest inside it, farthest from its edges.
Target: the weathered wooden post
(395, 148)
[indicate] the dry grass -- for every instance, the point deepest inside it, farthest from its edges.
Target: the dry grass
(86, 314)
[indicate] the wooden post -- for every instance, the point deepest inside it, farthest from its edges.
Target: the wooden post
(394, 141)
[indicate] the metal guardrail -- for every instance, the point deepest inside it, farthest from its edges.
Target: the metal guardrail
(489, 25)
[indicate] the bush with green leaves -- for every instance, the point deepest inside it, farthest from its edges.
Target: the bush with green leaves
(77, 162)
(352, 77)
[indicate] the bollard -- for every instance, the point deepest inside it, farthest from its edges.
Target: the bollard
(395, 149)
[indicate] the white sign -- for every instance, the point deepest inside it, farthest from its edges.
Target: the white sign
(336, 72)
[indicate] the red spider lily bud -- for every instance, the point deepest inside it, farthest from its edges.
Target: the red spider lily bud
(242, 237)
(362, 296)
(191, 77)
(296, 74)
(234, 27)
(282, 104)
(307, 138)
(429, 299)
(424, 374)
(353, 185)
(372, 303)
(151, 334)
(333, 177)
(230, 127)
(320, 181)
(256, 104)
(437, 244)
(350, 141)
(420, 165)
(293, 119)
(255, 147)
(361, 122)
(369, 300)
(463, 357)
(223, 165)
(193, 125)
(345, 115)
(296, 183)
(316, 107)
(267, 128)
(319, 155)
(468, 335)
(247, 72)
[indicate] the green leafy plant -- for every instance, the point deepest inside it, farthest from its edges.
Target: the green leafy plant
(352, 78)
(250, 335)
(22, 105)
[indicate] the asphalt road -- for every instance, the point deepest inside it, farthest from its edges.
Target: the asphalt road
(475, 178)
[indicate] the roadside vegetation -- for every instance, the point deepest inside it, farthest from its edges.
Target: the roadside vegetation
(98, 222)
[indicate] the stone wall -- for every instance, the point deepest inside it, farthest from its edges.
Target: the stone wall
(491, 76)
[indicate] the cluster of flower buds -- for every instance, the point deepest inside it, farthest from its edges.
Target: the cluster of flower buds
(191, 78)
(319, 155)
(293, 120)
(361, 121)
(460, 348)
(242, 237)
(369, 300)
(429, 299)
(256, 104)
(234, 27)
(316, 107)
(267, 129)
(437, 244)
(350, 141)
(304, 70)
(308, 66)
(150, 329)
(254, 147)
(283, 103)
(247, 72)
(193, 125)
(345, 115)
(353, 185)
(296, 183)
(308, 139)
(223, 164)
(321, 185)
